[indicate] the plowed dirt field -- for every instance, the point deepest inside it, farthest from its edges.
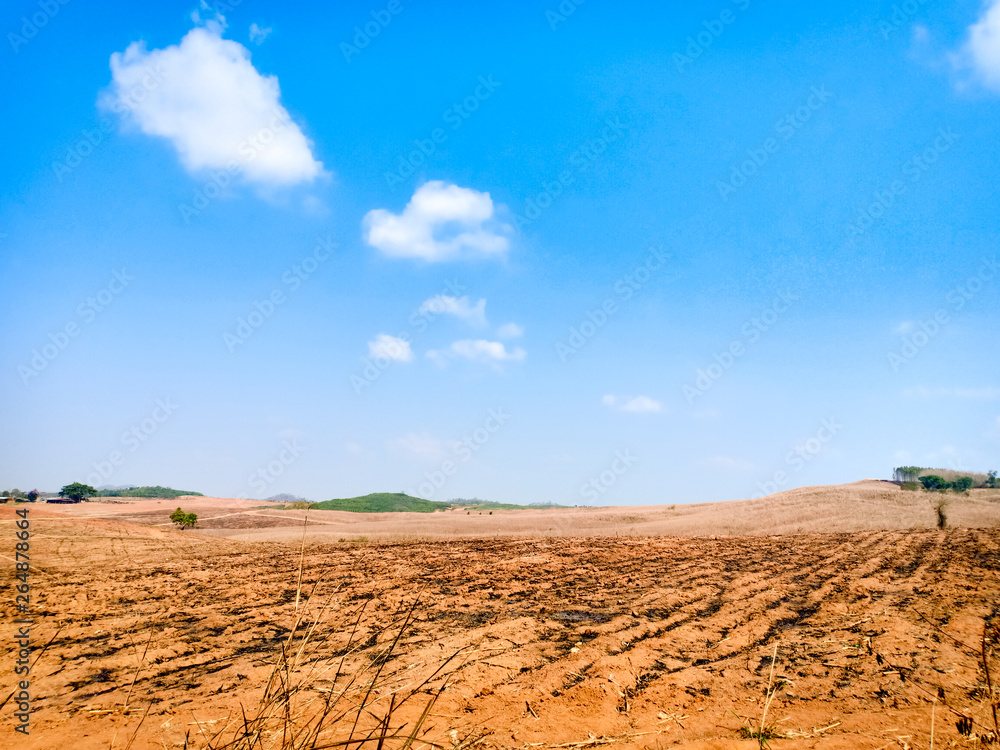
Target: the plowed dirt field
(156, 636)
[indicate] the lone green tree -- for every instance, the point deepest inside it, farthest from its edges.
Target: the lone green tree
(991, 480)
(77, 492)
(184, 520)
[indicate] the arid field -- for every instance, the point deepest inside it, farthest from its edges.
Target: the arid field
(866, 505)
(612, 627)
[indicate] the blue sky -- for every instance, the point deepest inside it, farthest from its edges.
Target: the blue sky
(531, 252)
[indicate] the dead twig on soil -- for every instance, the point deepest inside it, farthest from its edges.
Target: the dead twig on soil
(593, 741)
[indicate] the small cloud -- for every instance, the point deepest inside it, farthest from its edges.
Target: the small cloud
(258, 34)
(903, 328)
(206, 98)
(981, 52)
(391, 348)
(510, 331)
(421, 445)
(479, 350)
(441, 222)
(727, 463)
(460, 307)
(485, 351)
(636, 405)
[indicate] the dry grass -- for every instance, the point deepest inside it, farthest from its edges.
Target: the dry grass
(868, 505)
(861, 506)
(765, 732)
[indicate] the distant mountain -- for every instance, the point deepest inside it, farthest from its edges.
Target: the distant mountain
(477, 504)
(284, 497)
(400, 502)
(382, 502)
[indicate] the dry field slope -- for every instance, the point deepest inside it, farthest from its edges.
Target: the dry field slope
(859, 506)
(572, 642)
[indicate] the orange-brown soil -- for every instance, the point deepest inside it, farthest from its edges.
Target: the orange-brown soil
(156, 635)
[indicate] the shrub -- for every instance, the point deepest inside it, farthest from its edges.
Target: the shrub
(991, 480)
(910, 485)
(962, 484)
(934, 482)
(183, 519)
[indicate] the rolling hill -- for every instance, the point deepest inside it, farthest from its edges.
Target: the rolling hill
(382, 502)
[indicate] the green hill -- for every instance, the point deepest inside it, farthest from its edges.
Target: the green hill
(400, 502)
(157, 491)
(382, 502)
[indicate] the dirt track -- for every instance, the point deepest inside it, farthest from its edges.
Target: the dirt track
(641, 642)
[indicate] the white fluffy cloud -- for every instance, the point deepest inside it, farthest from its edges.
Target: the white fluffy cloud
(390, 347)
(982, 50)
(636, 405)
(205, 97)
(441, 222)
(460, 307)
(478, 350)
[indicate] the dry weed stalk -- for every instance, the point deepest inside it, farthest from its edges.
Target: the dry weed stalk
(764, 733)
